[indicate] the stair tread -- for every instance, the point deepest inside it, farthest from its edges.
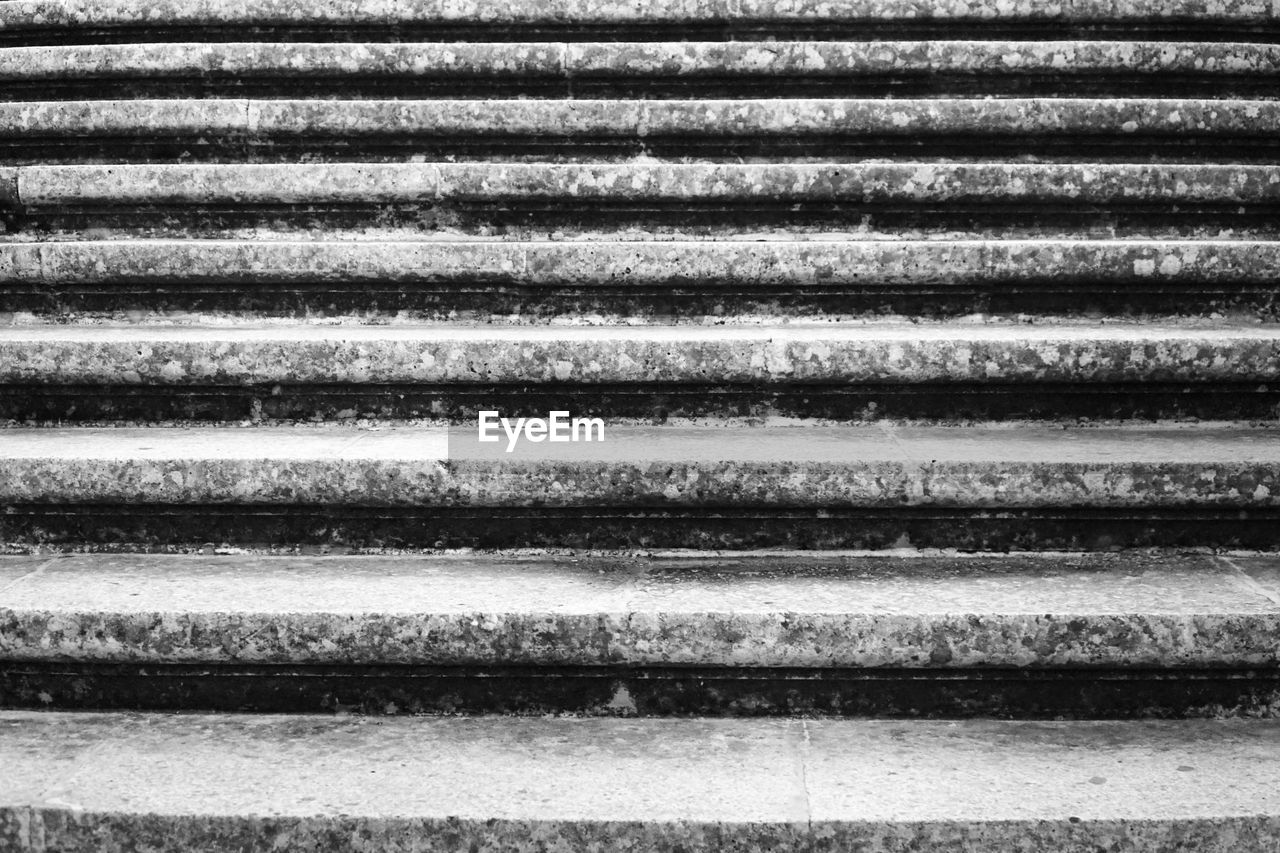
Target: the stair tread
(249, 351)
(57, 186)
(348, 783)
(710, 465)
(1010, 442)
(757, 610)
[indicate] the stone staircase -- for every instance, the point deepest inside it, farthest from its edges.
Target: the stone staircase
(935, 346)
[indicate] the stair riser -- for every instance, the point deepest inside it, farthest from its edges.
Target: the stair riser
(767, 359)
(645, 637)
(625, 473)
(78, 831)
(170, 527)
(689, 264)
(1096, 693)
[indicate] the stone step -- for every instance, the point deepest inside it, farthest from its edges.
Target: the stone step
(282, 257)
(1105, 635)
(757, 610)
(237, 371)
(999, 487)
(79, 782)
(1127, 129)
(652, 201)
(44, 22)
(1173, 635)
(439, 278)
(629, 69)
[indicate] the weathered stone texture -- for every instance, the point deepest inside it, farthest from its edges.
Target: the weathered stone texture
(755, 611)
(621, 263)
(351, 785)
(640, 118)
(647, 466)
(796, 352)
(53, 187)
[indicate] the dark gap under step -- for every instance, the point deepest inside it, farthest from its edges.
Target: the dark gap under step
(1079, 693)
(177, 527)
(482, 300)
(1140, 29)
(1238, 400)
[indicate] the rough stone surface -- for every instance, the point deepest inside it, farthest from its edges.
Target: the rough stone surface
(567, 60)
(674, 466)
(29, 14)
(1087, 10)
(295, 783)
(754, 611)
(640, 118)
(796, 352)
(620, 263)
(56, 187)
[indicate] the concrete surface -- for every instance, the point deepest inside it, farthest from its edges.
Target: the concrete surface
(763, 611)
(54, 187)
(569, 60)
(80, 782)
(1010, 465)
(483, 353)
(813, 263)
(905, 117)
(28, 14)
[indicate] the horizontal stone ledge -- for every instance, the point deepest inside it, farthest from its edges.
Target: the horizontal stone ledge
(58, 187)
(18, 15)
(587, 60)
(206, 782)
(604, 118)
(753, 611)
(130, 354)
(817, 263)
(1012, 466)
